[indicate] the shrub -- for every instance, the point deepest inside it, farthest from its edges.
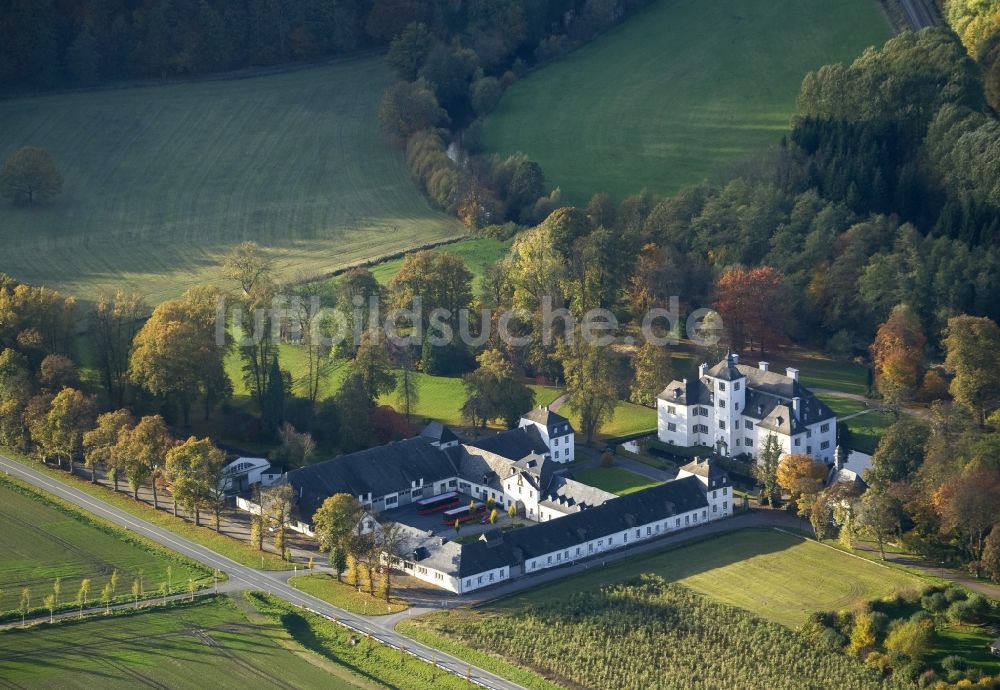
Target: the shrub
(954, 593)
(935, 603)
(484, 94)
(954, 662)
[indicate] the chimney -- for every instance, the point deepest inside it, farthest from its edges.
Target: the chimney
(796, 406)
(840, 455)
(793, 374)
(702, 368)
(736, 358)
(764, 366)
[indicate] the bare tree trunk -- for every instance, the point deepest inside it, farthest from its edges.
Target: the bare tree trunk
(156, 505)
(175, 506)
(197, 516)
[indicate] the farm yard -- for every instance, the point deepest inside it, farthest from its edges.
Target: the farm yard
(676, 93)
(211, 643)
(44, 539)
(161, 181)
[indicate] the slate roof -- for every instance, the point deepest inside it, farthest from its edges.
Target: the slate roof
(568, 495)
(726, 370)
(711, 471)
(769, 397)
(436, 432)
(514, 444)
(428, 550)
(381, 470)
(693, 392)
(553, 421)
(485, 469)
(642, 507)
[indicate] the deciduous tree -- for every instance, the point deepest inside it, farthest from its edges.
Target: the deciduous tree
(179, 352)
(116, 321)
(801, 477)
(754, 306)
(653, 371)
(29, 174)
(898, 356)
(589, 372)
(972, 345)
(192, 467)
(101, 447)
(336, 521)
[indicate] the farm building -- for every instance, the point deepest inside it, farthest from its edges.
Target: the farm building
(514, 469)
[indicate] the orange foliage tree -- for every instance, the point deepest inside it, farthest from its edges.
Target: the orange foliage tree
(753, 306)
(898, 355)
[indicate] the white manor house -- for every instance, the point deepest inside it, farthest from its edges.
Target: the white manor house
(732, 408)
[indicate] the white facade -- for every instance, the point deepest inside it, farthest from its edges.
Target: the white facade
(617, 540)
(734, 410)
(557, 433)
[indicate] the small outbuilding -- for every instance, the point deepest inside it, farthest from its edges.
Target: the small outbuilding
(995, 647)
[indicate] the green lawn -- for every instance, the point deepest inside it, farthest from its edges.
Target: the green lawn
(969, 642)
(776, 575)
(44, 539)
(845, 377)
(614, 480)
(867, 430)
(478, 253)
(841, 406)
(346, 596)
(160, 181)
(207, 644)
(676, 92)
(628, 419)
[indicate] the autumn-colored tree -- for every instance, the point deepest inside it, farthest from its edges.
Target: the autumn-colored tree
(276, 504)
(653, 372)
(438, 280)
(191, 468)
(57, 372)
(179, 354)
(898, 356)
(972, 345)
(969, 506)
(145, 449)
(100, 444)
(911, 638)
(29, 174)
(590, 384)
(116, 320)
(495, 391)
(336, 520)
(754, 306)
(863, 636)
(801, 477)
(59, 433)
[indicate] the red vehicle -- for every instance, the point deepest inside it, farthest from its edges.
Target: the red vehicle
(463, 514)
(435, 504)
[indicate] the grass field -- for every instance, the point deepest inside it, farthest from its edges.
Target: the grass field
(160, 181)
(614, 480)
(210, 643)
(776, 575)
(346, 596)
(841, 406)
(867, 430)
(43, 539)
(477, 253)
(628, 419)
(676, 92)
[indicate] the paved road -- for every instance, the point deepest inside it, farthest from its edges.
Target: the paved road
(243, 577)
